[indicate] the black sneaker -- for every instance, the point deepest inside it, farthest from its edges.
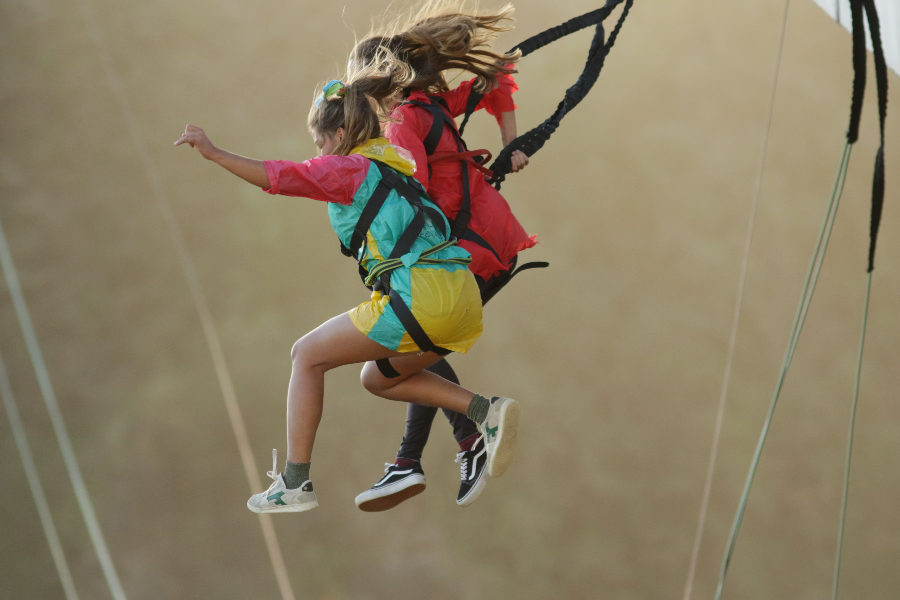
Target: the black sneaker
(473, 473)
(398, 484)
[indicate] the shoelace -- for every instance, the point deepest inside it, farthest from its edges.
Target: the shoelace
(274, 472)
(463, 464)
(387, 466)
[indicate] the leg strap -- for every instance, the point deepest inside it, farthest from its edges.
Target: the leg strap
(409, 322)
(384, 365)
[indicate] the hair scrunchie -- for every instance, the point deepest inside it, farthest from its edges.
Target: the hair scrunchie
(334, 87)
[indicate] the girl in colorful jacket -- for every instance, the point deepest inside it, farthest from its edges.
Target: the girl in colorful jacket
(425, 302)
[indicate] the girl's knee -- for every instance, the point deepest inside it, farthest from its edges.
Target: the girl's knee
(297, 350)
(303, 353)
(373, 381)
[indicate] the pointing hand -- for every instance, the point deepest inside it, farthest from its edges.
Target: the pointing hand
(197, 138)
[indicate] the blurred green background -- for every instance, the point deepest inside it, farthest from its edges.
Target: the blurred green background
(640, 201)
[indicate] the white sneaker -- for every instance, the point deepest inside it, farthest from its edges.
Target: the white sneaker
(500, 435)
(278, 498)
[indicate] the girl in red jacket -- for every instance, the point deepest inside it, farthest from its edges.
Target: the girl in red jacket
(440, 36)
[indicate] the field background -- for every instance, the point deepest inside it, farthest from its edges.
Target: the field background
(640, 201)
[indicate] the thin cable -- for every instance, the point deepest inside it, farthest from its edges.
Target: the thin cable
(805, 299)
(200, 302)
(820, 258)
(34, 482)
(56, 418)
(732, 339)
(840, 539)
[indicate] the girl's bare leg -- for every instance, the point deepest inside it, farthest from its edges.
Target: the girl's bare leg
(416, 385)
(338, 342)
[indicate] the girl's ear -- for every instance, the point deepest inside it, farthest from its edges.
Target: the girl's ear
(339, 135)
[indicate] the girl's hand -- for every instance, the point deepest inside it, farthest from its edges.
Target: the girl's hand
(507, 124)
(248, 169)
(196, 137)
(519, 161)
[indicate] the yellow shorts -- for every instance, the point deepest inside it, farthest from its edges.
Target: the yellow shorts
(447, 304)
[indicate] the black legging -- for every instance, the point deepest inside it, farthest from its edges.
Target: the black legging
(419, 417)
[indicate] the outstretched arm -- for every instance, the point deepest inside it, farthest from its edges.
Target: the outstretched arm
(507, 135)
(248, 169)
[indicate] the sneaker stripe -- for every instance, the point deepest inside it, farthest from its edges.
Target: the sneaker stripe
(277, 498)
(475, 462)
(391, 474)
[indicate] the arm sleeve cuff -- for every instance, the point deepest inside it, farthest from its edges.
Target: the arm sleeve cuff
(272, 172)
(499, 100)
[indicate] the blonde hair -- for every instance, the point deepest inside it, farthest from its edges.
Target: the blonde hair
(370, 92)
(440, 36)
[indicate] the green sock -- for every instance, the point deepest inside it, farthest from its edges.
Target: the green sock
(478, 409)
(295, 474)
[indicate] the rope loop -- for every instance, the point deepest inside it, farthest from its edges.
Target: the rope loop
(385, 267)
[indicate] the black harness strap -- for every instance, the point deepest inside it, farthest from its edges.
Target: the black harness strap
(404, 244)
(409, 322)
(411, 191)
(859, 87)
(460, 228)
(461, 221)
(469, 235)
(531, 265)
(408, 237)
(493, 285)
(370, 211)
(435, 106)
(389, 181)
(439, 120)
(437, 127)
(471, 104)
(387, 369)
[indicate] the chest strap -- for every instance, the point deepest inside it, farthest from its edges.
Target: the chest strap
(440, 119)
(476, 158)
(380, 276)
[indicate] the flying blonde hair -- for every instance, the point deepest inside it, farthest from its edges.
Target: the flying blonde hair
(442, 35)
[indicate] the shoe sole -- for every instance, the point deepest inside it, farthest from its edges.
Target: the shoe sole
(289, 508)
(507, 440)
(388, 502)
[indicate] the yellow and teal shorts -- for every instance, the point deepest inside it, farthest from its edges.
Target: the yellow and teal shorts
(446, 303)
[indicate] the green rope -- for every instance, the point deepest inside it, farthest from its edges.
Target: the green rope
(840, 539)
(390, 264)
(809, 287)
(842, 177)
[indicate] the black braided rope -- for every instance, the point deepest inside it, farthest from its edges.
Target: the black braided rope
(533, 140)
(857, 8)
(859, 70)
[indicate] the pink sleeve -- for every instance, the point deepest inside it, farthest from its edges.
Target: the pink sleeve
(456, 98)
(408, 133)
(326, 178)
(499, 100)
(496, 102)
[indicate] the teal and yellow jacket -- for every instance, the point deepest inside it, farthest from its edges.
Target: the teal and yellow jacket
(440, 291)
